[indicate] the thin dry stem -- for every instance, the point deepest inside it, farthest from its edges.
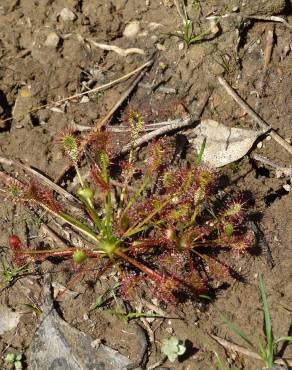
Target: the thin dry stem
(254, 115)
(269, 47)
(10, 162)
(234, 347)
(287, 171)
(158, 363)
(116, 49)
(177, 124)
(94, 90)
(178, 8)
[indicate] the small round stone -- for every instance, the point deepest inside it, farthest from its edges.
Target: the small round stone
(132, 29)
(67, 15)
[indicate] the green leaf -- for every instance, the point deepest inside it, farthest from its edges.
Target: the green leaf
(267, 323)
(172, 348)
(283, 339)
(98, 302)
(10, 358)
(199, 156)
(18, 365)
(78, 225)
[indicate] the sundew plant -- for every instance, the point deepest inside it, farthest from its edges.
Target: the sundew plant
(161, 231)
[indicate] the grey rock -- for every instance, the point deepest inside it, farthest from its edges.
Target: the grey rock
(57, 345)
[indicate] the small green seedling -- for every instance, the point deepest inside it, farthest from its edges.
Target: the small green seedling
(266, 351)
(187, 35)
(14, 361)
(172, 348)
(102, 298)
(9, 273)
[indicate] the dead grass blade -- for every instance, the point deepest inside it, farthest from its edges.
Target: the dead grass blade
(234, 347)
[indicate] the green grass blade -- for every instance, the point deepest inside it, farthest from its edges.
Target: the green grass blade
(267, 322)
(262, 352)
(137, 194)
(199, 156)
(78, 225)
(237, 331)
(219, 363)
(232, 326)
(136, 228)
(283, 339)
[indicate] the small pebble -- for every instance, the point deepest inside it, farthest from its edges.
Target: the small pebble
(132, 29)
(154, 39)
(260, 145)
(268, 138)
(85, 317)
(154, 25)
(235, 9)
(287, 187)
(160, 47)
(95, 343)
(52, 40)
(67, 15)
(85, 99)
(181, 46)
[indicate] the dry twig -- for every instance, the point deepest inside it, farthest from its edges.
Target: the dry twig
(269, 47)
(94, 90)
(234, 347)
(254, 115)
(118, 50)
(43, 179)
(177, 124)
(272, 18)
(280, 169)
(256, 17)
(158, 363)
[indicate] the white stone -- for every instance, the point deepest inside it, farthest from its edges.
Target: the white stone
(160, 47)
(287, 187)
(52, 40)
(132, 29)
(85, 99)
(67, 15)
(181, 46)
(260, 145)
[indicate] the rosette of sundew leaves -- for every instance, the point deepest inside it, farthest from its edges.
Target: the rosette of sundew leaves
(162, 234)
